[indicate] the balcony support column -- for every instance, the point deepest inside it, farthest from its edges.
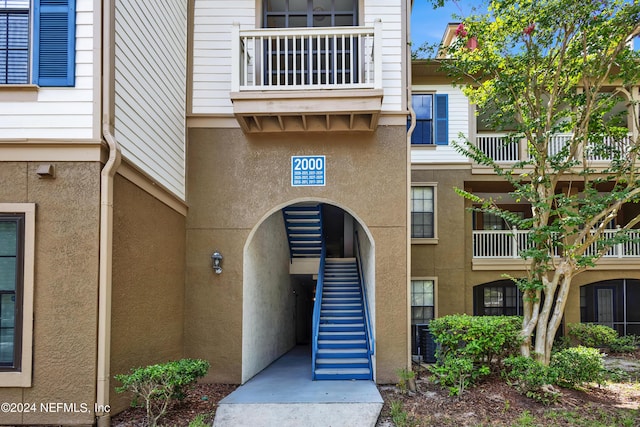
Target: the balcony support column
(377, 54)
(235, 57)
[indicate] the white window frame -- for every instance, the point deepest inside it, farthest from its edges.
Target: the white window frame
(432, 279)
(23, 378)
(426, 240)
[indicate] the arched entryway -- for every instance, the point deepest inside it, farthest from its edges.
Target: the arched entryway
(279, 288)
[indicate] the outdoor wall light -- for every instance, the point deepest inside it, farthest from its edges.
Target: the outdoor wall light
(216, 259)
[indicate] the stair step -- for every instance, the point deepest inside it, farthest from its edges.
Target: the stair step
(341, 319)
(343, 374)
(354, 305)
(352, 362)
(342, 344)
(341, 353)
(340, 313)
(340, 335)
(344, 370)
(339, 327)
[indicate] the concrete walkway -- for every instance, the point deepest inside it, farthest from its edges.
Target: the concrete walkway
(284, 395)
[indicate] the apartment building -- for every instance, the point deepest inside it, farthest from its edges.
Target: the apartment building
(459, 258)
(221, 180)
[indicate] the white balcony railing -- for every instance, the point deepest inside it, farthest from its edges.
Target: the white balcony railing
(307, 58)
(509, 243)
(498, 147)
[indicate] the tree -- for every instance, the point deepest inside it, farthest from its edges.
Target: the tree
(540, 68)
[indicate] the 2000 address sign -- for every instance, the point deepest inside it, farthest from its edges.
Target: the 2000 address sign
(308, 171)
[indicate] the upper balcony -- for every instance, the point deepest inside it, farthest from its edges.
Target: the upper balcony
(502, 248)
(307, 79)
(500, 148)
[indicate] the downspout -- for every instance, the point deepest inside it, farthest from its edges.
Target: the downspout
(106, 222)
(412, 114)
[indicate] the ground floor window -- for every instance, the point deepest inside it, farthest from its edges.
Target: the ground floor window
(500, 298)
(613, 303)
(17, 230)
(422, 311)
(11, 244)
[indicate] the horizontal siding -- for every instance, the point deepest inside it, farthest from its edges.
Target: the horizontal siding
(59, 113)
(150, 88)
(212, 50)
(458, 123)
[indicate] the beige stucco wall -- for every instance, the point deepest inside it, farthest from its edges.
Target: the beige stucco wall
(268, 322)
(450, 260)
(235, 181)
(148, 283)
(66, 278)
(446, 261)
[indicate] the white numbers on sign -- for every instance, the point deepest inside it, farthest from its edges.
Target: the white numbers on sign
(308, 164)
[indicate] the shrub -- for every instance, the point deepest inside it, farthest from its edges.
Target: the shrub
(625, 344)
(405, 377)
(484, 339)
(575, 366)
(156, 385)
(457, 373)
(531, 378)
(590, 335)
(470, 346)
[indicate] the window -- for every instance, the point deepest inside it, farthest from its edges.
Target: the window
(613, 303)
(502, 298)
(422, 301)
(317, 60)
(309, 13)
(17, 225)
(11, 242)
(432, 121)
(422, 312)
(52, 55)
(422, 212)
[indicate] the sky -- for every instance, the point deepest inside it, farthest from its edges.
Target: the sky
(428, 25)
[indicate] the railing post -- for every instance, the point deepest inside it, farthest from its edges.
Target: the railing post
(514, 248)
(235, 57)
(619, 246)
(377, 53)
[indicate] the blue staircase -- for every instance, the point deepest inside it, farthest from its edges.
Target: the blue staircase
(303, 224)
(342, 346)
(342, 342)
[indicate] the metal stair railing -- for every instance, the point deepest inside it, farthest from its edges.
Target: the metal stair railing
(317, 306)
(371, 344)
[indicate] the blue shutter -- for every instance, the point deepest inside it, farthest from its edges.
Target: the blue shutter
(441, 119)
(54, 42)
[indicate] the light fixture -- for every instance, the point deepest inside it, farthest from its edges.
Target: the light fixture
(216, 259)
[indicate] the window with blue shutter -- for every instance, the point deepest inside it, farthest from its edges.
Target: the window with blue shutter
(422, 105)
(431, 119)
(52, 55)
(441, 111)
(54, 42)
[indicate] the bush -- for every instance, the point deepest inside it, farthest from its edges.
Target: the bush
(470, 346)
(531, 378)
(156, 385)
(626, 344)
(484, 339)
(590, 335)
(457, 373)
(575, 366)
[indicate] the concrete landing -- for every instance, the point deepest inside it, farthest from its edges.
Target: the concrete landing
(284, 395)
